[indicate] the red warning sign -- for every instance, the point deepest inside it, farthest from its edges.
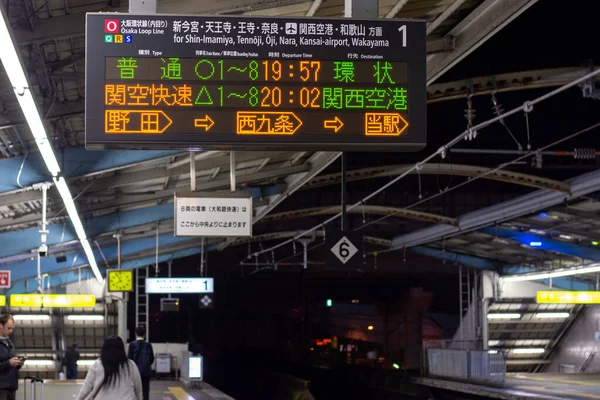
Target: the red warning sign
(4, 279)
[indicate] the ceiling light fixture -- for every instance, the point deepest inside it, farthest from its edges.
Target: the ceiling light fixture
(18, 80)
(31, 317)
(552, 315)
(528, 351)
(590, 268)
(85, 317)
(504, 316)
(39, 363)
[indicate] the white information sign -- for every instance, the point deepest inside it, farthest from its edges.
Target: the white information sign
(163, 363)
(199, 215)
(344, 250)
(179, 285)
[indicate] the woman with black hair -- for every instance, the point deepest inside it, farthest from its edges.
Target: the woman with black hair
(113, 376)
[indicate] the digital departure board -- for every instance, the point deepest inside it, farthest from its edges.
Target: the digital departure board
(196, 82)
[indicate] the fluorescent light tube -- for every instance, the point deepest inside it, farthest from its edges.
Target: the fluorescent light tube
(591, 268)
(504, 316)
(566, 237)
(31, 317)
(85, 317)
(552, 315)
(528, 351)
(63, 189)
(18, 79)
(90, 256)
(39, 363)
(86, 362)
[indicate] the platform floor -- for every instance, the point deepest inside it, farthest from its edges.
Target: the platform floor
(159, 390)
(528, 386)
(567, 386)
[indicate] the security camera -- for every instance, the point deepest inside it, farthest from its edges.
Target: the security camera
(43, 250)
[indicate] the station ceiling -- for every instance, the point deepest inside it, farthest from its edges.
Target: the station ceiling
(131, 192)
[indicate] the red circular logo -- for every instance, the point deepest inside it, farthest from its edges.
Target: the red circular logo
(111, 26)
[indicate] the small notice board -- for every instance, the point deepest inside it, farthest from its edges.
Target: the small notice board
(198, 214)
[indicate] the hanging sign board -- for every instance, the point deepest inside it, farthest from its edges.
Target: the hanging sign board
(568, 297)
(52, 300)
(198, 214)
(249, 83)
(345, 250)
(179, 285)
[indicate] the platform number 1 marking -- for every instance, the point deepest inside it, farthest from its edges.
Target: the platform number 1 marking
(205, 285)
(402, 31)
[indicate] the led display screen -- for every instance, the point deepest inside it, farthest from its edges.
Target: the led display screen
(166, 81)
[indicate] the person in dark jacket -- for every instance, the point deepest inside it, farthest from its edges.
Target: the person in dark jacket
(71, 358)
(141, 352)
(9, 362)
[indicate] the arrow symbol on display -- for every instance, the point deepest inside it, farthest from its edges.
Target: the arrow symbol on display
(335, 124)
(205, 123)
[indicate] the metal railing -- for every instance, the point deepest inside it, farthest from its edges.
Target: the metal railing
(472, 365)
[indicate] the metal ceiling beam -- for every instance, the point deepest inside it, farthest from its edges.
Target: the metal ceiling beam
(515, 208)
(122, 201)
(396, 9)
(317, 162)
(139, 177)
(76, 162)
(502, 259)
(460, 259)
(474, 30)
(366, 209)
(433, 25)
(546, 244)
(511, 177)
(561, 226)
(64, 62)
(313, 8)
(513, 81)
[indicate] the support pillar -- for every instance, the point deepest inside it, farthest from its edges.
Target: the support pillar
(122, 330)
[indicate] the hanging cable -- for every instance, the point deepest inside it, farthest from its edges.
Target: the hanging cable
(441, 150)
(479, 176)
(498, 111)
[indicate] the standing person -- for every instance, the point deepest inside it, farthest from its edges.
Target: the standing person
(142, 353)
(113, 376)
(71, 358)
(9, 362)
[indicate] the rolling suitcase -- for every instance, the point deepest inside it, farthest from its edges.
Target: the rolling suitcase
(33, 382)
